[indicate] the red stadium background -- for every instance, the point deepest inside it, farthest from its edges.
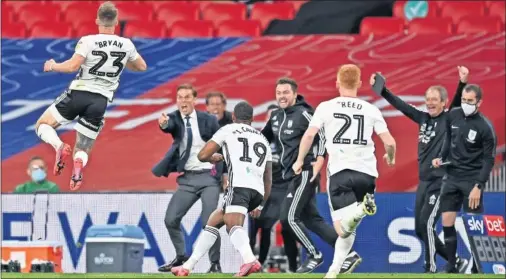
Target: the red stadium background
(125, 152)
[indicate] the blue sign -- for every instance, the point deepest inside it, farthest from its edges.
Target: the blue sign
(487, 238)
(386, 241)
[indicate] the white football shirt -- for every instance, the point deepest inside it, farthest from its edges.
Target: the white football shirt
(348, 125)
(105, 58)
(246, 153)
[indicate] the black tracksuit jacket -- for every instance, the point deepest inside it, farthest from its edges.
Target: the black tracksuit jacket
(432, 132)
(285, 128)
(469, 146)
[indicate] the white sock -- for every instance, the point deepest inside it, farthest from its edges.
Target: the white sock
(205, 241)
(351, 222)
(81, 155)
(240, 240)
(358, 212)
(48, 134)
(341, 251)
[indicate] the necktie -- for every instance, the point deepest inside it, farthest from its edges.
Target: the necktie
(186, 153)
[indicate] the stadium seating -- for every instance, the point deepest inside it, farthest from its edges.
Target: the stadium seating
(497, 9)
(13, 30)
(64, 5)
(381, 25)
(265, 12)
(151, 29)
(239, 28)
(50, 29)
(171, 12)
(192, 29)
(459, 9)
(137, 11)
(429, 26)
(38, 11)
(16, 5)
(79, 15)
(8, 14)
(217, 12)
(85, 28)
(472, 24)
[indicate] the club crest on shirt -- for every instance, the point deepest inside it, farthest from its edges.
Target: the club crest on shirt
(432, 200)
(290, 123)
(426, 133)
(471, 136)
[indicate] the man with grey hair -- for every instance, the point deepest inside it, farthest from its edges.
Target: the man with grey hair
(100, 60)
(430, 141)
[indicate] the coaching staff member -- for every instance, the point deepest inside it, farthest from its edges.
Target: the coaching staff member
(270, 213)
(190, 130)
(469, 149)
(431, 135)
(285, 128)
(216, 103)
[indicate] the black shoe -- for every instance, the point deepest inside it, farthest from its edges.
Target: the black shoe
(450, 269)
(310, 264)
(178, 261)
(350, 263)
(462, 265)
(215, 268)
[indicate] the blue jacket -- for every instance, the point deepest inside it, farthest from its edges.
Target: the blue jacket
(207, 124)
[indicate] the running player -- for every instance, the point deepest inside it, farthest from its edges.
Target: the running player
(348, 123)
(249, 160)
(100, 60)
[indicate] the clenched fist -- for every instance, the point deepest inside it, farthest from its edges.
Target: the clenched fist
(463, 73)
(48, 65)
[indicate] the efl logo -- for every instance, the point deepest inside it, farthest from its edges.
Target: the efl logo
(495, 225)
(475, 224)
(498, 269)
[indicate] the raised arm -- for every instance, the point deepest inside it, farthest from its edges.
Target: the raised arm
(408, 110)
(457, 99)
(166, 124)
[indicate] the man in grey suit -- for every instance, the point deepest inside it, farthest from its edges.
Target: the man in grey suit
(190, 130)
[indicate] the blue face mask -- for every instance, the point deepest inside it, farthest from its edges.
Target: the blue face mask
(38, 175)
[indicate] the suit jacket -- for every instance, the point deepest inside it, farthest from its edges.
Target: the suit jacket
(207, 125)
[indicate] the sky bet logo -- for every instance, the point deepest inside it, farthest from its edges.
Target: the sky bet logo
(487, 225)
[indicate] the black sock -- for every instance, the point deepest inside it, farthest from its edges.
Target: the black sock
(265, 244)
(451, 244)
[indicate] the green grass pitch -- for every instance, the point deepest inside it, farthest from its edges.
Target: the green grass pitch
(257, 275)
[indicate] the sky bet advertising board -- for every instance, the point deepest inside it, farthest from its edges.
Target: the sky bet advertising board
(386, 241)
(487, 237)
